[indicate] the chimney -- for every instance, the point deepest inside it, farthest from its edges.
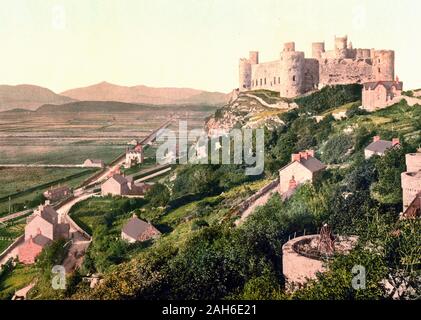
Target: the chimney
(395, 141)
(304, 155)
(38, 231)
(47, 202)
(376, 138)
(310, 153)
(292, 183)
(295, 157)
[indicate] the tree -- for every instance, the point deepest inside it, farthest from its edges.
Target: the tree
(337, 148)
(389, 167)
(158, 195)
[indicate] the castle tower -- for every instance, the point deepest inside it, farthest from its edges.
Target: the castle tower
(384, 65)
(318, 48)
(244, 74)
(245, 70)
(411, 179)
(254, 57)
(292, 71)
(341, 47)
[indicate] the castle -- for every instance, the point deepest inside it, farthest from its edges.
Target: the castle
(293, 74)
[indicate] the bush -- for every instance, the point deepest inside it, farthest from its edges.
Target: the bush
(336, 148)
(199, 224)
(158, 195)
(330, 97)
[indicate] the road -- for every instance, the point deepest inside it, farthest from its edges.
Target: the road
(120, 161)
(15, 215)
(34, 165)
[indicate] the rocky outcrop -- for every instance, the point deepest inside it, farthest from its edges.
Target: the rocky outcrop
(248, 110)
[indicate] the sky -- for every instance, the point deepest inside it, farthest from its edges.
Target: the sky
(188, 43)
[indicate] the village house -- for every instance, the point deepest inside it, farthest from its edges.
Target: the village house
(380, 94)
(43, 227)
(411, 185)
(93, 163)
(134, 156)
(379, 147)
(119, 185)
(304, 167)
(56, 194)
(138, 230)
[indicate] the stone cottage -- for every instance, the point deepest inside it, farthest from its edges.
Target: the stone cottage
(43, 227)
(138, 230)
(304, 167)
(56, 194)
(119, 185)
(93, 163)
(380, 94)
(134, 156)
(379, 147)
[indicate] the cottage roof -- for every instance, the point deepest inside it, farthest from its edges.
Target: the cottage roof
(58, 190)
(46, 212)
(387, 84)
(119, 179)
(379, 146)
(136, 227)
(311, 163)
(95, 161)
(41, 240)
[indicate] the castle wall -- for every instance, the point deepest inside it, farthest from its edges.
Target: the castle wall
(311, 74)
(266, 76)
(345, 71)
(411, 186)
(413, 162)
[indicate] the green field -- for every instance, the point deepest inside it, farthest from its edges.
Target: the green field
(12, 230)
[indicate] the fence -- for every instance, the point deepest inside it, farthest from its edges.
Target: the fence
(11, 247)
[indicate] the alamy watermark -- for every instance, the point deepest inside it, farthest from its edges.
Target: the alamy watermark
(236, 147)
(359, 280)
(58, 281)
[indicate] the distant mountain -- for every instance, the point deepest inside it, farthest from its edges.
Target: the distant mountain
(105, 91)
(28, 97)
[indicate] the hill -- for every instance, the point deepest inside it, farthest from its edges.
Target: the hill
(28, 97)
(105, 91)
(249, 110)
(263, 108)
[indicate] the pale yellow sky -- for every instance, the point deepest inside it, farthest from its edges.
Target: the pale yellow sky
(188, 43)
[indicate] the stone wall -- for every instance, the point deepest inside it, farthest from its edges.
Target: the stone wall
(266, 76)
(411, 186)
(413, 162)
(298, 269)
(345, 71)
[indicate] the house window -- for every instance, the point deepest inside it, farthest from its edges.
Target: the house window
(293, 78)
(265, 81)
(379, 70)
(274, 80)
(260, 81)
(279, 80)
